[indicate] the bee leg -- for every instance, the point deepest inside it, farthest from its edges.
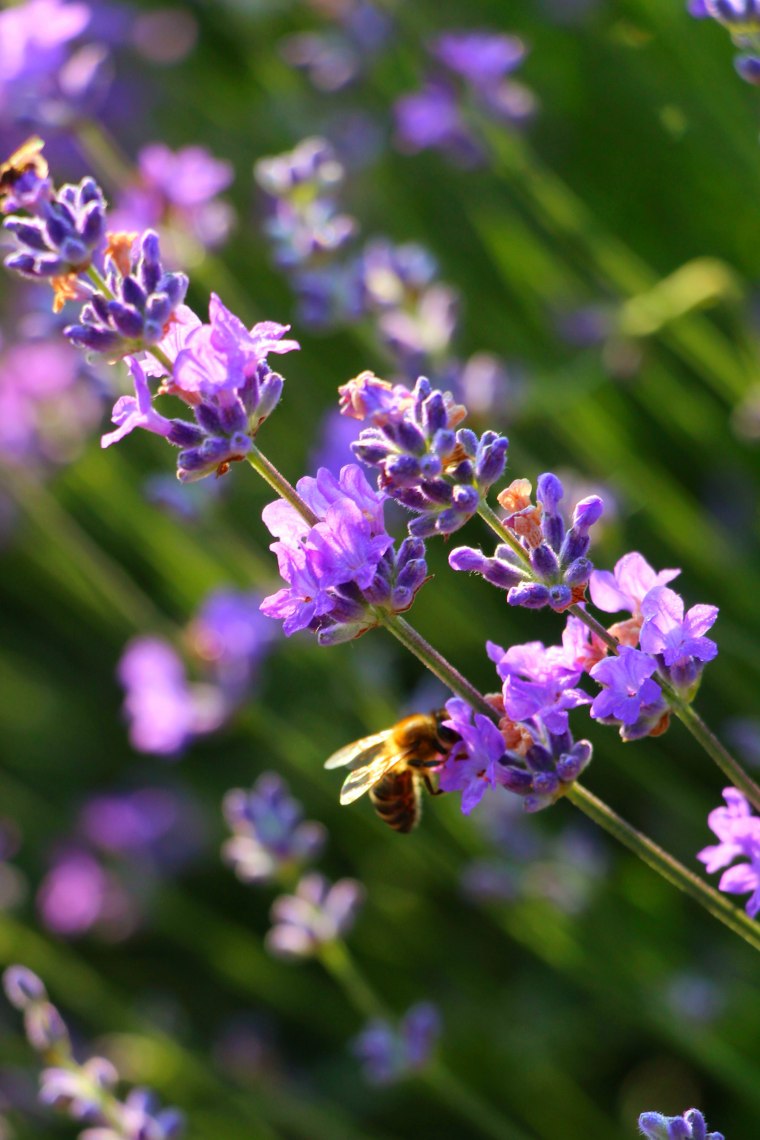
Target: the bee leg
(429, 785)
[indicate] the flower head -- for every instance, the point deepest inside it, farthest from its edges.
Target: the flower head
(739, 833)
(388, 1053)
(629, 697)
(314, 916)
(269, 833)
(676, 640)
(690, 1126)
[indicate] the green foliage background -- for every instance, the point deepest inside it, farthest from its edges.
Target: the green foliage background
(642, 163)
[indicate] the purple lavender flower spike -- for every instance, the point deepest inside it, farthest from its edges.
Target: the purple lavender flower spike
(538, 683)
(164, 711)
(629, 698)
(472, 765)
(389, 1054)
(676, 640)
(316, 915)
(141, 308)
(64, 235)
(444, 113)
(690, 1126)
(270, 837)
(440, 473)
(343, 569)
(556, 570)
(739, 833)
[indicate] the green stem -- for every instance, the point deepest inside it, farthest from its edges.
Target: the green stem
(280, 484)
(716, 751)
(665, 865)
(435, 662)
(339, 963)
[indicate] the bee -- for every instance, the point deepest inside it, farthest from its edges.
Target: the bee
(27, 157)
(393, 765)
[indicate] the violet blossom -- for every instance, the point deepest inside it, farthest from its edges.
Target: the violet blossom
(742, 20)
(629, 697)
(690, 1126)
(270, 838)
(342, 570)
(314, 916)
(438, 471)
(739, 833)
(555, 569)
(676, 640)
(389, 1053)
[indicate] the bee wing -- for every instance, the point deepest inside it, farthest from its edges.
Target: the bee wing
(360, 751)
(362, 779)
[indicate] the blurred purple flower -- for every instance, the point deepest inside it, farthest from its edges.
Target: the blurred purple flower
(690, 1126)
(316, 915)
(232, 637)
(79, 895)
(176, 191)
(739, 833)
(389, 1054)
(270, 836)
(164, 711)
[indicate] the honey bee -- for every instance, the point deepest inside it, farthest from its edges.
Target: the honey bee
(393, 765)
(27, 157)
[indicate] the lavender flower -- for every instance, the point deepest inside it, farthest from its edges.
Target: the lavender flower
(220, 370)
(78, 895)
(739, 833)
(630, 698)
(316, 915)
(676, 640)
(177, 190)
(306, 227)
(84, 1091)
(476, 84)
(164, 711)
(389, 1054)
(63, 237)
(231, 636)
(627, 586)
(690, 1126)
(36, 43)
(556, 570)
(140, 304)
(742, 19)
(439, 473)
(473, 764)
(270, 838)
(341, 571)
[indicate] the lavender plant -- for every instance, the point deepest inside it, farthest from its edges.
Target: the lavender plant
(332, 547)
(84, 1091)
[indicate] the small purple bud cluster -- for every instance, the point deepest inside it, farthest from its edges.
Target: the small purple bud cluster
(690, 1126)
(135, 312)
(389, 1054)
(85, 1092)
(471, 83)
(63, 233)
(553, 570)
(742, 19)
(271, 840)
(739, 833)
(342, 573)
(337, 57)
(314, 916)
(440, 473)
